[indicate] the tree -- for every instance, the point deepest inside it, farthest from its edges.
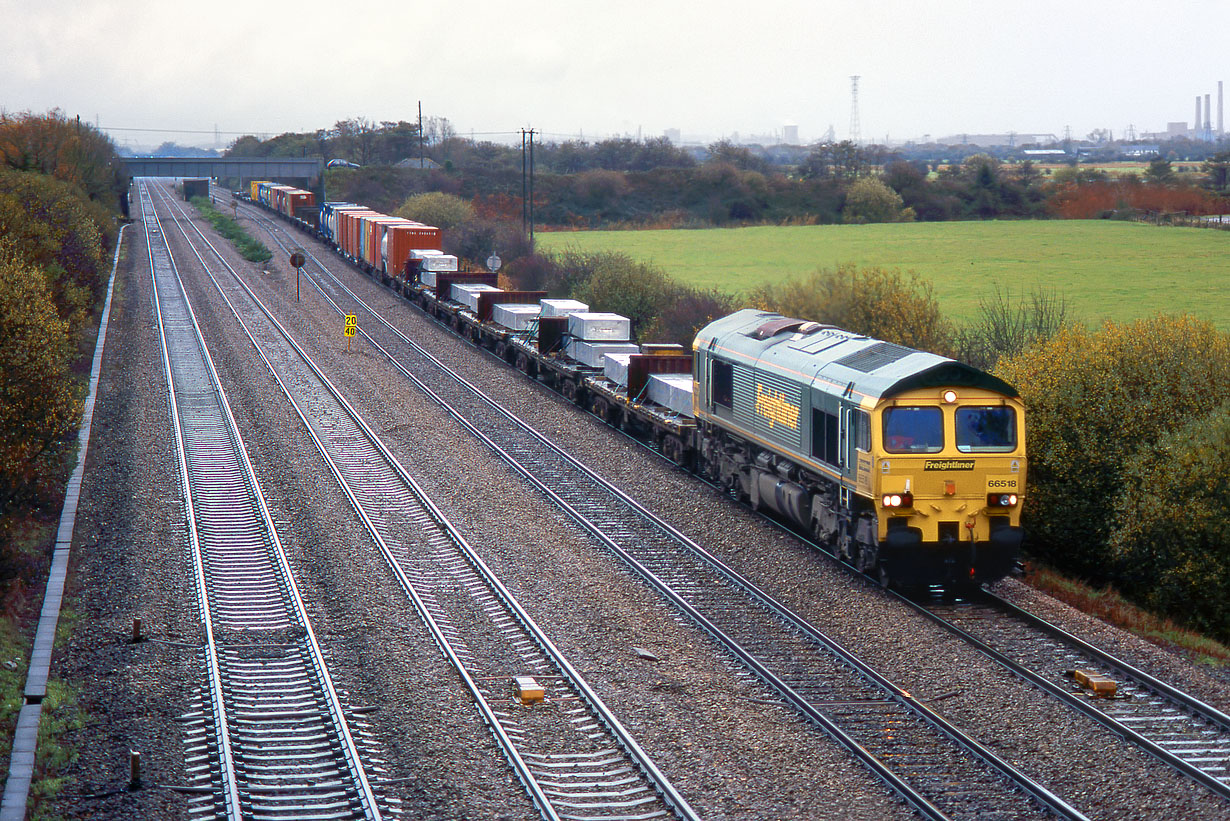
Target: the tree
(1171, 542)
(870, 200)
(1217, 172)
(435, 208)
(1095, 400)
(879, 302)
(60, 233)
(73, 152)
(1160, 171)
(740, 156)
(39, 402)
(843, 161)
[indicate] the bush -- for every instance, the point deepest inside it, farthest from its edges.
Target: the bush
(684, 311)
(1171, 542)
(436, 208)
(475, 240)
(615, 282)
(39, 402)
(870, 200)
(879, 302)
(1006, 327)
(58, 231)
(1094, 400)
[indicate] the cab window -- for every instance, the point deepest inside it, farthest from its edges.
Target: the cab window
(722, 384)
(913, 430)
(986, 430)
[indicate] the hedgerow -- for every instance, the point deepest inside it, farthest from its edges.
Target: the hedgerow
(1095, 400)
(1171, 539)
(879, 302)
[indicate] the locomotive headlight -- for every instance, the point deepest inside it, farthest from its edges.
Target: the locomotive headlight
(1002, 499)
(898, 500)
(949, 396)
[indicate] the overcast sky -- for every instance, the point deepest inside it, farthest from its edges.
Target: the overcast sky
(710, 69)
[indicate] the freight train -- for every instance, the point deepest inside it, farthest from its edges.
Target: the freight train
(908, 465)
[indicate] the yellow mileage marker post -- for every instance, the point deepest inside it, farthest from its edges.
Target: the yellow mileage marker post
(352, 322)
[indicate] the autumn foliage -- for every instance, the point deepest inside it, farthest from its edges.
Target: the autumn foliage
(59, 187)
(1091, 200)
(1103, 409)
(879, 302)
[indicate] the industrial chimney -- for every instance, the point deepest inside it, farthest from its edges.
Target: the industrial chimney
(1221, 123)
(1196, 122)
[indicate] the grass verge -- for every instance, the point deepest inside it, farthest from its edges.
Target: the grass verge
(1108, 605)
(248, 246)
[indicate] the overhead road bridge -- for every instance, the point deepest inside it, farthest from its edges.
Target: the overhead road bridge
(304, 169)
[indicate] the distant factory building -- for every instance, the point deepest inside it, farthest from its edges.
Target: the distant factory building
(995, 140)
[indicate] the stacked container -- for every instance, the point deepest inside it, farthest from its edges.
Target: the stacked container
(402, 240)
(467, 294)
(513, 316)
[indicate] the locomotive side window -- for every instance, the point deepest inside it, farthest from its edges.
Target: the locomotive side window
(824, 442)
(862, 423)
(986, 430)
(722, 384)
(913, 430)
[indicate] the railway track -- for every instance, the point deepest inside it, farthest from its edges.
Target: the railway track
(270, 739)
(1165, 722)
(570, 751)
(938, 769)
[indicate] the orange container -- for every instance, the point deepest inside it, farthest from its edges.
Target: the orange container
(350, 222)
(376, 242)
(401, 239)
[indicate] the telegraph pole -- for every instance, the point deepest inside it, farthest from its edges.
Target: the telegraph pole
(524, 204)
(527, 183)
(531, 188)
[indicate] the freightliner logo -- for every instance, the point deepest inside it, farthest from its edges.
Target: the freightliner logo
(948, 464)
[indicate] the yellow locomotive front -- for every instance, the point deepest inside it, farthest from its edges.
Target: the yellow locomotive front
(948, 480)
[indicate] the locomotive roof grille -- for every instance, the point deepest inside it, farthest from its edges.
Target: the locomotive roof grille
(874, 357)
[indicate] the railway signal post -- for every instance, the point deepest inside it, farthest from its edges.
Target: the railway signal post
(297, 259)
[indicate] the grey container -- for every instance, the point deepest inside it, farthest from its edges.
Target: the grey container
(672, 391)
(514, 317)
(562, 307)
(598, 327)
(616, 368)
(467, 294)
(438, 262)
(592, 354)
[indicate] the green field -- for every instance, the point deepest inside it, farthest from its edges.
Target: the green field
(1104, 269)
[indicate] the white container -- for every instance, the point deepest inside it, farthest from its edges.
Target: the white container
(671, 390)
(428, 278)
(615, 368)
(592, 354)
(597, 327)
(442, 263)
(514, 317)
(562, 307)
(467, 294)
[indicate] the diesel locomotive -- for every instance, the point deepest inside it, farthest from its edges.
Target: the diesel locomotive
(909, 465)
